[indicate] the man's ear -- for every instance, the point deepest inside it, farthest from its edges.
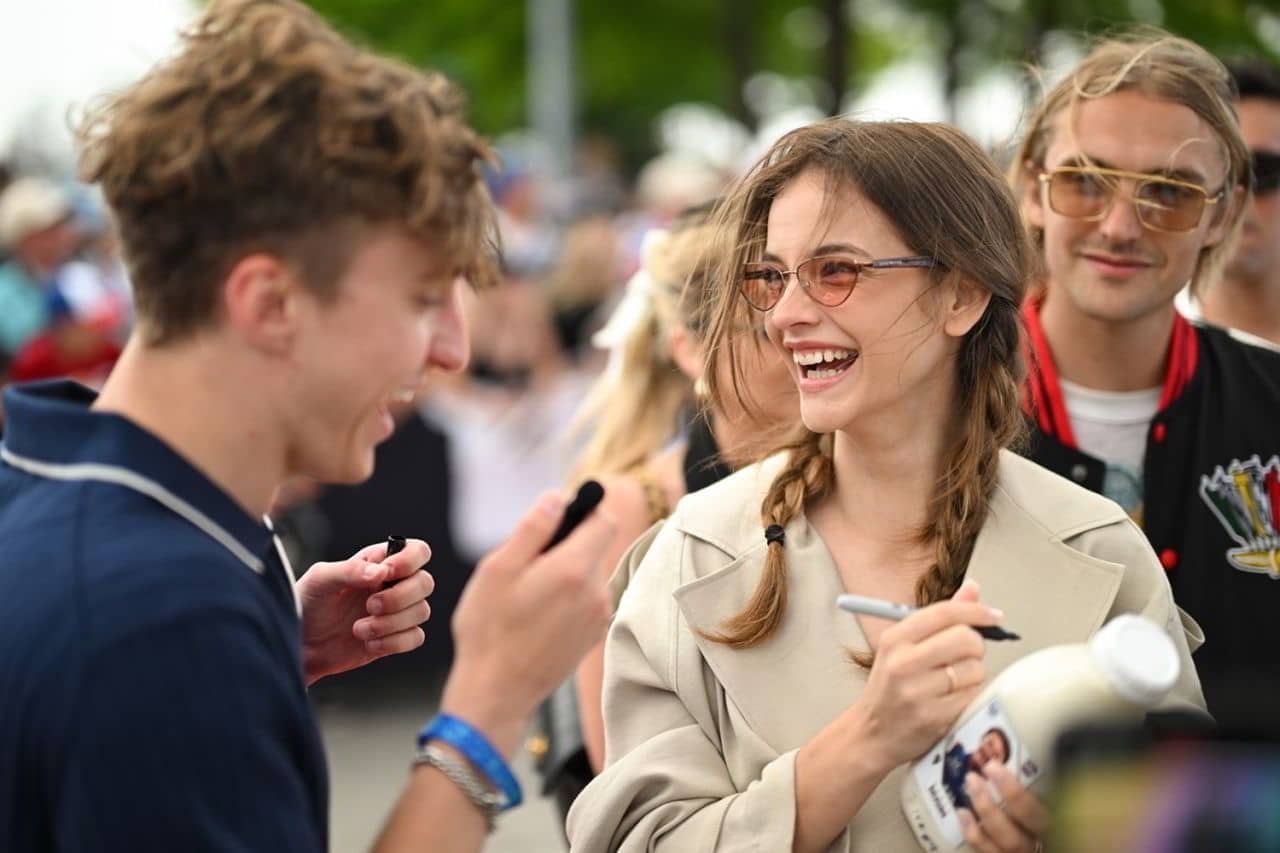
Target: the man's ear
(260, 296)
(687, 353)
(963, 305)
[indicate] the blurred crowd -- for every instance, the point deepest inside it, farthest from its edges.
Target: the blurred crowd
(64, 293)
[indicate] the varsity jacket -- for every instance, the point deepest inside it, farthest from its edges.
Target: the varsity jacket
(1211, 495)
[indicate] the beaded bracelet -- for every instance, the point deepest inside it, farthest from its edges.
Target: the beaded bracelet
(477, 749)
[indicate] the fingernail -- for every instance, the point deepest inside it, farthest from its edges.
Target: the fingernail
(375, 606)
(364, 630)
(996, 612)
(371, 571)
(373, 645)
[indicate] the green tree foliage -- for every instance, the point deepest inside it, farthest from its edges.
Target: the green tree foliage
(634, 59)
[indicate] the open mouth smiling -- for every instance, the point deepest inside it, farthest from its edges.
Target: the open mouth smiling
(824, 363)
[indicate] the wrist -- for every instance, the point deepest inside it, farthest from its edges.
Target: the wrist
(486, 709)
(314, 664)
(865, 741)
(486, 778)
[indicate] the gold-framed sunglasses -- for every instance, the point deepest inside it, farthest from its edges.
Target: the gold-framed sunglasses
(828, 279)
(1162, 204)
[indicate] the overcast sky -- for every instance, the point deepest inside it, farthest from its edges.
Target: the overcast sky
(57, 54)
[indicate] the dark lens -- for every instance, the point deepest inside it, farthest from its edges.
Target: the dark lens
(1266, 172)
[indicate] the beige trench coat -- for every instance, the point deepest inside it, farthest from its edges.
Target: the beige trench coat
(702, 738)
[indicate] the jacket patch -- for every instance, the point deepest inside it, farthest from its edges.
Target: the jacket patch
(1245, 497)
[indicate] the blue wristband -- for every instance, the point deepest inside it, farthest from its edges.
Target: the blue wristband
(477, 749)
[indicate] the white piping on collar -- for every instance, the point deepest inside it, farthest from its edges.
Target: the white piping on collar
(288, 567)
(131, 480)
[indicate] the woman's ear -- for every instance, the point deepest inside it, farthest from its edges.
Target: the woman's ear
(687, 353)
(964, 302)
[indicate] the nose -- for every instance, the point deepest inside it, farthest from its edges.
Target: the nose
(449, 344)
(1120, 223)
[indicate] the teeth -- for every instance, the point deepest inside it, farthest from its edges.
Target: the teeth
(806, 358)
(404, 395)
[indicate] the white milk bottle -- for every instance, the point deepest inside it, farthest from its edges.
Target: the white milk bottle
(1124, 669)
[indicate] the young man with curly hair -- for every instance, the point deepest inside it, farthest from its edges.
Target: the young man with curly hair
(300, 219)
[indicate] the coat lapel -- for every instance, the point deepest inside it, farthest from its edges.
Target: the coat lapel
(1050, 593)
(801, 678)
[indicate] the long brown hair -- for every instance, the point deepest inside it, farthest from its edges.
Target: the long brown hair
(947, 200)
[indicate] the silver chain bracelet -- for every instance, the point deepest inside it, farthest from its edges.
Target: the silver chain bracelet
(462, 775)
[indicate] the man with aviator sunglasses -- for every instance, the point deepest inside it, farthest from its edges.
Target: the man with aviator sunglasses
(1248, 297)
(1134, 180)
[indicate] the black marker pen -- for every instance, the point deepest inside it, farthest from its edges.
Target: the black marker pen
(395, 544)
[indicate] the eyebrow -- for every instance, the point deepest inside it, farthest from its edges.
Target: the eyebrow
(825, 249)
(1190, 176)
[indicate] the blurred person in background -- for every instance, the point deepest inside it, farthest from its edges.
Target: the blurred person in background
(529, 239)
(1248, 296)
(504, 418)
(1134, 180)
(666, 185)
(585, 279)
(47, 325)
(36, 229)
(298, 267)
(95, 282)
(653, 439)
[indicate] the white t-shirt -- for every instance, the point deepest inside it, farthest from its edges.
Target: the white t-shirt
(1112, 425)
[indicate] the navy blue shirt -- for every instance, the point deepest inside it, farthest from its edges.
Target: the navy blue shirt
(151, 691)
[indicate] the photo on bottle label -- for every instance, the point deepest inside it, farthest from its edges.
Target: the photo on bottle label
(986, 735)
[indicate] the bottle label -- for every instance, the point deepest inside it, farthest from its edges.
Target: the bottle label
(986, 735)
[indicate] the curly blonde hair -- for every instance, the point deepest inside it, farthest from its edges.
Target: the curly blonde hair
(269, 132)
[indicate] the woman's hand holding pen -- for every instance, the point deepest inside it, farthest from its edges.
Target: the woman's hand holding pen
(927, 668)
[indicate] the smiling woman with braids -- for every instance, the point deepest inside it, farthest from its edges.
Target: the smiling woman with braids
(742, 710)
